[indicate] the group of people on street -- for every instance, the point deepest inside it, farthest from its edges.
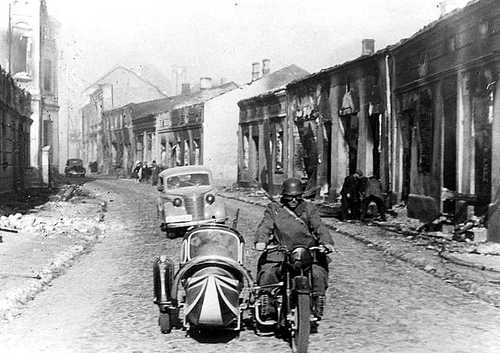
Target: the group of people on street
(358, 194)
(145, 173)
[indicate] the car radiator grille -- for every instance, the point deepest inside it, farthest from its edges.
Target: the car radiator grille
(195, 206)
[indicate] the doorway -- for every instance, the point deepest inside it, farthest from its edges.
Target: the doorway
(450, 140)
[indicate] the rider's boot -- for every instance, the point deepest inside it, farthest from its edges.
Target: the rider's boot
(320, 306)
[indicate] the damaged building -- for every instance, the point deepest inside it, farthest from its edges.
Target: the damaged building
(420, 115)
(15, 122)
(264, 128)
(446, 113)
(320, 127)
(115, 89)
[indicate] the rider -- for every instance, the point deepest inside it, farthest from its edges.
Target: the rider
(294, 222)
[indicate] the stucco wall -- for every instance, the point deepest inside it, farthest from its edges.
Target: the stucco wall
(220, 140)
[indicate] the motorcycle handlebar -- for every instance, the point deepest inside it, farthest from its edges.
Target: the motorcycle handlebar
(281, 248)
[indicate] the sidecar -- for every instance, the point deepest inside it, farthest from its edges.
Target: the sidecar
(208, 289)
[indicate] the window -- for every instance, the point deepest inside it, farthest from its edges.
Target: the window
(279, 152)
(187, 153)
(197, 151)
(47, 75)
(163, 152)
(20, 52)
(47, 132)
(139, 148)
(246, 154)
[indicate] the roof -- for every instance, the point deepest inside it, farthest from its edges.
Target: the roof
(339, 66)
(275, 82)
(388, 48)
(434, 24)
(183, 170)
(279, 79)
(101, 80)
(157, 106)
(272, 93)
(153, 107)
(205, 95)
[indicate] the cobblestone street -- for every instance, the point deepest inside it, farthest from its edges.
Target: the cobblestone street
(375, 302)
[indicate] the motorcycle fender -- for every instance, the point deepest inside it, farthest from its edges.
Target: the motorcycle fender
(301, 284)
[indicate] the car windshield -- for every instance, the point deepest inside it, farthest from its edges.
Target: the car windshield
(186, 180)
(74, 162)
(214, 242)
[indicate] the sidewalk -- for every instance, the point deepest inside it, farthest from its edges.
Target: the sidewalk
(43, 242)
(472, 267)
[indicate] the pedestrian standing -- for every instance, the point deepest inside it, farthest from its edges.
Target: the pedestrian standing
(140, 175)
(351, 196)
(155, 170)
(136, 171)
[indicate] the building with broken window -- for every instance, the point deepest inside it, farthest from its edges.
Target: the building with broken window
(201, 128)
(264, 134)
(15, 111)
(116, 89)
(446, 113)
(129, 134)
(28, 51)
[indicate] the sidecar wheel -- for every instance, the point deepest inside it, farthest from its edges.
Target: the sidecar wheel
(164, 322)
(300, 339)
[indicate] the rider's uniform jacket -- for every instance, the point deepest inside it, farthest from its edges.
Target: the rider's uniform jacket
(293, 228)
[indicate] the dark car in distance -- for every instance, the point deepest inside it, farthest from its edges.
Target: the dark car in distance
(74, 167)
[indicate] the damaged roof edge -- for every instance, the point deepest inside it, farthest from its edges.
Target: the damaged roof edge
(392, 47)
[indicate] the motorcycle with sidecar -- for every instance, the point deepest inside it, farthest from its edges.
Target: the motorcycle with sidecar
(212, 289)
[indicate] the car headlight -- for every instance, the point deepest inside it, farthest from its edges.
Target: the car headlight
(177, 202)
(210, 199)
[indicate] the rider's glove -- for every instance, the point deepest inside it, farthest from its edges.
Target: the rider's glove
(260, 246)
(328, 248)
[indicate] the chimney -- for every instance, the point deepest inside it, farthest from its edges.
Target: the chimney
(446, 6)
(266, 67)
(186, 89)
(255, 71)
(367, 47)
(205, 83)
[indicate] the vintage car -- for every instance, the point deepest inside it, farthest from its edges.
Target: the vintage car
(187, 198)
(74, 167)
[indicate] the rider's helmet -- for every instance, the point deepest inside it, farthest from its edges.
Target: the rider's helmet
(292, 187)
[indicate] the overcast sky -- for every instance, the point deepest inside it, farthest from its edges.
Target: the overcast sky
(221, 38)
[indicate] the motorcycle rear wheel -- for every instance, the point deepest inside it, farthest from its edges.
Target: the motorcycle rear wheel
(300, 336)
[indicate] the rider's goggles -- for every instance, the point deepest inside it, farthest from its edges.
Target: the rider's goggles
(290, 198)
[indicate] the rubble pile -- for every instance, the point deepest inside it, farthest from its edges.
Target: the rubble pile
(73, 211)
(72, 193)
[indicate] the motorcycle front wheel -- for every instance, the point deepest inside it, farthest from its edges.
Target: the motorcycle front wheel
(300, 335)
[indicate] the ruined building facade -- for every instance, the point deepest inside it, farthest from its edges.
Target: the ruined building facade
(15, 111)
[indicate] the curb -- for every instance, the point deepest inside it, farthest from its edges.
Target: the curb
(449, 276)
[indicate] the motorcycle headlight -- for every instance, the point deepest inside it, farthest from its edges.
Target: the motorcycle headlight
(177, 202)
(210, 199)
(301, 257)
